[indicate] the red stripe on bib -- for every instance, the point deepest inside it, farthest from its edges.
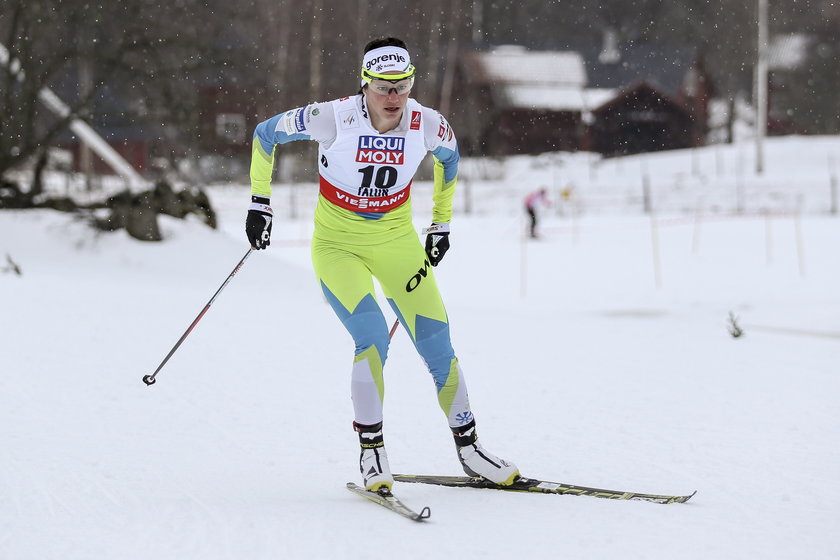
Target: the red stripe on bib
(376, 204)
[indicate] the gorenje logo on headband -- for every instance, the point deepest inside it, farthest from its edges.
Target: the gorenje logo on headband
(392, 57)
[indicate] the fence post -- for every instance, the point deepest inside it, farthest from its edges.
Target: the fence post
(646, 193)
(800, 243)
(523, 261)
(832, 185)
(698, 215)
(768, 237)
(654, 239)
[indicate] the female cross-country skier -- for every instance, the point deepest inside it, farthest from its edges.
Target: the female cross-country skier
(369, 148)
(531, 202)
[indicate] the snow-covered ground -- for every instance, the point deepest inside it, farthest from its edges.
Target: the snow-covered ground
(598, 355)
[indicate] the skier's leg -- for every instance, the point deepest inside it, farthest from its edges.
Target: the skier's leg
(409, 284)
(532, 215)
(348, 286)
(408, 281)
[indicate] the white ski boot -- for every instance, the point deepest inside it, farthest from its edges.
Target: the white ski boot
(477, 461)
(373, 462)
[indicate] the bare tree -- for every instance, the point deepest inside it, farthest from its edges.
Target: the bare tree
(151, 64)
(143, 66)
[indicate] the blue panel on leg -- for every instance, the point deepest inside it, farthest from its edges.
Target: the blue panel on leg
(366, 323)
(433, 343)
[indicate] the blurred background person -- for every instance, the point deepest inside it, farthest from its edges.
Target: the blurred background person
(533, 200)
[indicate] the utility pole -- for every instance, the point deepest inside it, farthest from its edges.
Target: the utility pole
(433, 60)
(362, 32)
(315, 50)
(477, 22)
(451, 57)
(85, 86)
(761, 88)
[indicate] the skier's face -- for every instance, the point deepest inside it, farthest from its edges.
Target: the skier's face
(386, 109)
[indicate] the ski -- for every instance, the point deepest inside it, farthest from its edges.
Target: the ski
(391, 502)
(522, 484)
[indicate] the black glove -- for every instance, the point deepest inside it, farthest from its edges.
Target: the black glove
(258, 223)
(437, 242)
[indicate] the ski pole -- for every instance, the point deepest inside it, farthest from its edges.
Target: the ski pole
(394, 328)
(150, 379)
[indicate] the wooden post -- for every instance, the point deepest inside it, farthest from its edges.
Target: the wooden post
(523, 262)
(654, 239)
(646, 193)
(800, 244)
(695, 238)
(761, 87)
(832, 185)
(768, 238)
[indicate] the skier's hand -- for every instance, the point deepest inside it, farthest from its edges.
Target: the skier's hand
(437, 242)
(258, 222)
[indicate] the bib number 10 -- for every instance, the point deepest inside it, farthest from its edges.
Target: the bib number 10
(383, 178)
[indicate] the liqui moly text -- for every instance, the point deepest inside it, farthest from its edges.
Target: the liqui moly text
(388, 150)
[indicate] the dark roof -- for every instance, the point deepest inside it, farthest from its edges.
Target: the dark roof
(638, 89)
(661, 65)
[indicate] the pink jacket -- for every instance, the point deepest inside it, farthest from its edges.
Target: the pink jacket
(534, 198)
